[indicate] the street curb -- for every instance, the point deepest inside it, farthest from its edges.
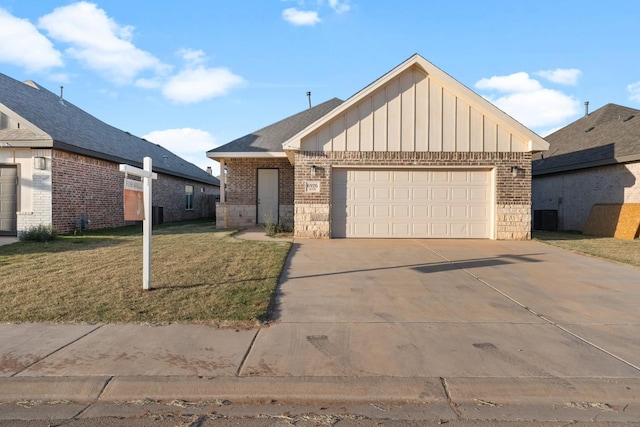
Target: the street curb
(459, 391)
(76, 389)
(235, 389)
(546, 390)
(290, 389)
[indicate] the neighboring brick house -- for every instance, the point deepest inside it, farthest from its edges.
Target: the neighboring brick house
(60, 166)
(595, 159)
(415, 154)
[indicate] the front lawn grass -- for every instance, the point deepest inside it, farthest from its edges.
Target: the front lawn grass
(199, 275)
(619, 250)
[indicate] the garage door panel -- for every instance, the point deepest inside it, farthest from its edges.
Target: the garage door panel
(381, 176)
(364, 194)
(439, 176)
(459, 177)
(402, 193)
(440, 193)
(458, 230)
(478, 230)
(459, 212)
(439, 229)
(461, 194)
(420, 212)
(479, 177)
(362, 211)
(382, 212)
(418, 194)
(479, 212)
(402, 177)
(401, 211)
(401, 229)
(439, 212)
(381, 229)
(478, 194)
(382, 193)
(411, 203)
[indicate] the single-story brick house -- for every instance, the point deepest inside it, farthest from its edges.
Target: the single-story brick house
(60, 166)
(414, 154)
(595, 159)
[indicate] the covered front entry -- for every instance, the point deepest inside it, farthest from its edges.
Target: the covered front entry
(268, 180)
(418, 203)
(8, 199)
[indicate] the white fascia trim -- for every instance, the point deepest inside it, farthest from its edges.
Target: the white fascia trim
(535, 146)
(33, 143)
(245, 154)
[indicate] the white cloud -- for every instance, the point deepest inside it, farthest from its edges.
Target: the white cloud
(564, 76)
(191, 56)
(538, 109)
(339, 6)
(188, 143)
(300, 17)
(513, 83)
(634, 91)
(526, 100)
(199, 84)
(24, 46)
(99, 42)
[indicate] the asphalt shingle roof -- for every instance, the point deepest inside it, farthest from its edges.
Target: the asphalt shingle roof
(75, 130)
(606, 136)
(270, 138)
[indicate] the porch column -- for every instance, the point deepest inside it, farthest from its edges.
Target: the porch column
(223, 182)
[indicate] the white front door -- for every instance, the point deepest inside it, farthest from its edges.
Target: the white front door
(8, 199)
(267, 196)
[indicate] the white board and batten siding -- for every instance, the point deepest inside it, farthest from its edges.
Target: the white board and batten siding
(416, 203)
(415, 112)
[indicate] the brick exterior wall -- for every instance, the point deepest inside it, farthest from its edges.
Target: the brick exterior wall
(87, 186)
(512, 194)
(169, 193)
(573, 193)
(240, 207)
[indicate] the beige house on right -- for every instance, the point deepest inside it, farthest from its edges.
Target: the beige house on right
(594, 160)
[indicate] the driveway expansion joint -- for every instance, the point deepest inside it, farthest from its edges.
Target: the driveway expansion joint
(452, 405)
(247, 353)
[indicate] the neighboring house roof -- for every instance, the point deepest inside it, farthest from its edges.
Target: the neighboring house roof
(534, 142)
(267, 142)
(49, 121)
(609, 135)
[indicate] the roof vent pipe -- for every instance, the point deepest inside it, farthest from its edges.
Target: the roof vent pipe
(586, 108)
(309, 96)
(61, 95)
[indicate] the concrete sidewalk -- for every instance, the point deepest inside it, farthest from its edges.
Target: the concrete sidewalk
(463, 329)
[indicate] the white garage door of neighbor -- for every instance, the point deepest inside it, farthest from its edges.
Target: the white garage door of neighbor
(411, 203)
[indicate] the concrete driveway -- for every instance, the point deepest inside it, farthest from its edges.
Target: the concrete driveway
(464, 329)
(450, 309)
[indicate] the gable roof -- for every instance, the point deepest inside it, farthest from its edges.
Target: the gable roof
(267, 142)
(48, 121)
(609, 135)
(534, 142)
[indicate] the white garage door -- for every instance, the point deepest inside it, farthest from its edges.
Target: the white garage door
(411, 203)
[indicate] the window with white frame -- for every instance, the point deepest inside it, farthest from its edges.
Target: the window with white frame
(188, 193)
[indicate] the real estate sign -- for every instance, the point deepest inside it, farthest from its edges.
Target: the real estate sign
(133, 200)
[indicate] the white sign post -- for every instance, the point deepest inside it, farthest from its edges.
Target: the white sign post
(147, 176)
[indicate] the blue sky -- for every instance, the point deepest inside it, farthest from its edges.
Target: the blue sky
(194, 74)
